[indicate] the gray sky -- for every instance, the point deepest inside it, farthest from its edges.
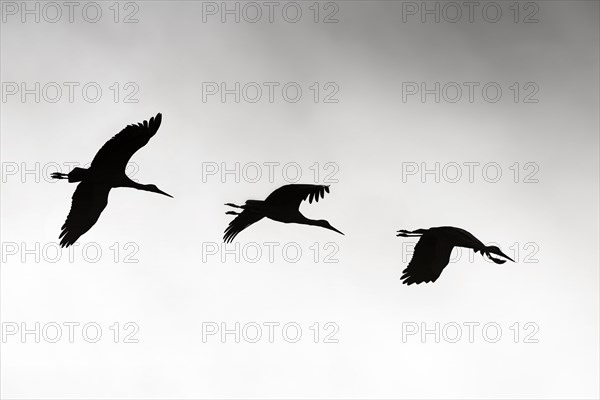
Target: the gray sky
(370, 141)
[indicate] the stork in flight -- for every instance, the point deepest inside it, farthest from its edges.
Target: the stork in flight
(432, 252)
(282, 205)
(107, 171)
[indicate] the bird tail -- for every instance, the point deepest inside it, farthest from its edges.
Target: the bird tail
(248, 204)
(76, 175)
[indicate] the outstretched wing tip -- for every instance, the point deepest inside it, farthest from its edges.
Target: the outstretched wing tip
(87, 203)
(242, 221)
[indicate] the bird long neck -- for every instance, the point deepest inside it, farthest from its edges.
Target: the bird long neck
(320, 222)
(128, 182)
(313, 222)
(145, 187)
(466, 239)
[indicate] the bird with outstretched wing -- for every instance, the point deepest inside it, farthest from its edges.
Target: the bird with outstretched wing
(106, 171)
(282, 205)
(432, 252)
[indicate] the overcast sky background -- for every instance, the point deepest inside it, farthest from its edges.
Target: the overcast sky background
(368, 134)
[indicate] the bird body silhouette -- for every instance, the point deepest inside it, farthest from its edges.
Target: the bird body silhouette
(106, 171)
(283, 205)
(432, 252)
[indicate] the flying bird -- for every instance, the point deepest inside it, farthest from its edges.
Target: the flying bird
(432, 252)
(107, 171)
(282, 205)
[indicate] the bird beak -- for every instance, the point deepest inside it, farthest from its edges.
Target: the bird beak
(505, 256)
(497, 260)
(166, 194)
(333, 229)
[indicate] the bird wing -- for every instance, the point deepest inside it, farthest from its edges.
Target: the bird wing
(293, 195)
(115, 153)
(429, 259)
(241, 222)
(89, 200)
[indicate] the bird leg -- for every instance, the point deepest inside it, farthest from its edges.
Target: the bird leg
(232, 213)
(233, 205)
(405, 233)
(59, 175)
(419, 231)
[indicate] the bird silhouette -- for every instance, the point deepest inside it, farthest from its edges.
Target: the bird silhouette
(282, 205)
(432, 252)
(106, 171)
